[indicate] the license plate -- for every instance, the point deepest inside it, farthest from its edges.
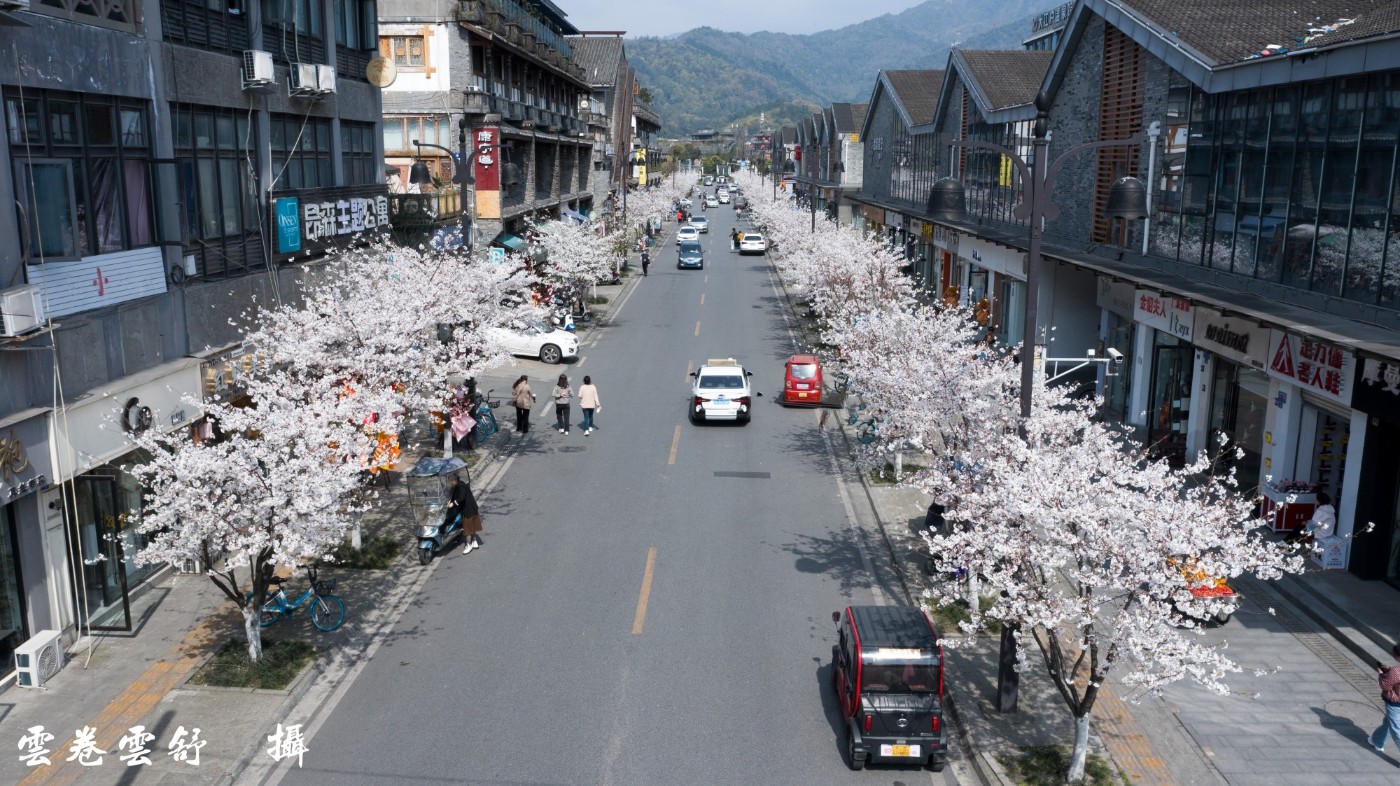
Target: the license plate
(722, 399)
(803, 386)
(905, 751)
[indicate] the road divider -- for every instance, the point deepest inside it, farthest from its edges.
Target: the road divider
(640, 617)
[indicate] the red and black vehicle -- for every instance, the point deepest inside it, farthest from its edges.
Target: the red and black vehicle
(887, 669)
(802, 380)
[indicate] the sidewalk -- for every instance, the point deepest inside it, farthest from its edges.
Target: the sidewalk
(115, 681)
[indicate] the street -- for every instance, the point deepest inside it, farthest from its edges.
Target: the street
(652, 603)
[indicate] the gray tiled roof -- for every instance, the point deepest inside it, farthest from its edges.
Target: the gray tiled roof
(847, 117)
(1007, 77)
(917, 91)
(599, 57)
(1231, 31)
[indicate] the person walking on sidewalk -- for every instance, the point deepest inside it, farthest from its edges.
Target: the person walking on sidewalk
(562, 394)
(646, 263)
(1390, 694)
(588, 403)
(524, 401)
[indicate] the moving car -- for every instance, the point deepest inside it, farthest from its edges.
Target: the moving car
(887, 670)
(701, 223)
(687, 233)
(709, 180)
(711, 202)
(723, 197)
(538, 340)
(802, 378)
(753, 243)
(690, 255)
(721, 392)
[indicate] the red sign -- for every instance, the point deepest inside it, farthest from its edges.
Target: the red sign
(1314, 365)
(487, 168)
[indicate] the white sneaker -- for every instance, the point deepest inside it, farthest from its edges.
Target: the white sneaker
(566, 432)
(562, 431)
(468, 549)
(587, 431)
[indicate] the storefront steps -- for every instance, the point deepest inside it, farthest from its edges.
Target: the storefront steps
(1363, 616)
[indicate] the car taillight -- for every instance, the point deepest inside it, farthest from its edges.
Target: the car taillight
(935, 724)
(787, 383)
(869, 721)
(744, 400)
(701, 400)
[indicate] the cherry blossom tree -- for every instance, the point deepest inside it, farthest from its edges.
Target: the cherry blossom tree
(575, 257)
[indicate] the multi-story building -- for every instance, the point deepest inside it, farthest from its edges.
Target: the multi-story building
(495, 79)
(646, 150)
(171, 165)
(611, 81)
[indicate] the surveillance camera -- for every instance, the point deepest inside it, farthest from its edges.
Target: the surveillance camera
(1114, 355)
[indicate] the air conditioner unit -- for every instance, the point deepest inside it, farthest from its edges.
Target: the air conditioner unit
(14, 5)
(37, 660)
(21, 310)
(325, 79)
(304, 80)
(258, 73)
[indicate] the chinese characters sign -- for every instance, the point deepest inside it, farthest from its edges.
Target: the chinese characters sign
(485, 169)
(1315, 366)
(1169, 314)
(315, 219)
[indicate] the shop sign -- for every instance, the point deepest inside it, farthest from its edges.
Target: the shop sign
(1116, 296)
(1379, 390)
(1169, 314)
(1236, 338)
(991, 257)
(315, 219)
(24, 466)
(99, 281)
(1315, 366)
(894, 219)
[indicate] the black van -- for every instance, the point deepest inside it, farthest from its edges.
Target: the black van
(887, 669)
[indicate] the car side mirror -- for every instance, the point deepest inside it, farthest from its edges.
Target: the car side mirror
(836, 617)
(695, 373)
(748, 373)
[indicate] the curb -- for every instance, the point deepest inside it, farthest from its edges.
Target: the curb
(1291, 588)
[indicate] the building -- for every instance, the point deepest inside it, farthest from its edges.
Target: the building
(172, 165)
(603, 58)
(496, 80)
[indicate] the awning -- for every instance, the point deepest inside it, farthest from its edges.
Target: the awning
(507, 240)
(575, 215)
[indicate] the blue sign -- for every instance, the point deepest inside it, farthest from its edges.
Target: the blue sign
(288, 225)
(497, 256)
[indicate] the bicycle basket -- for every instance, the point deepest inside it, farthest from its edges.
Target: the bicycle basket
(325, 586)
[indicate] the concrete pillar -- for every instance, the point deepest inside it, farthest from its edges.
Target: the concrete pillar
(1281, 432)
(1198, 421)
(1140, 385)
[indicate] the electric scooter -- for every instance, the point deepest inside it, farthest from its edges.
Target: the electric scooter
(433, 537)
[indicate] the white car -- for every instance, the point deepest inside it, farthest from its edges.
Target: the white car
(711, 202)
(701, 223)
(721, 392)
(687, 233)
(538, 340)
(723, 198)
(753, 243)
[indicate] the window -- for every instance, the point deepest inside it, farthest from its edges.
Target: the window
(82, 173)
(400, 131)
(116, 14)
(214, 150)
(301, 152)
(357, 153)
(407, 51)
(219, 25)
(355, 24)
(292, 30)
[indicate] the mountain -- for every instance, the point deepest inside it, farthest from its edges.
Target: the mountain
(708, 78)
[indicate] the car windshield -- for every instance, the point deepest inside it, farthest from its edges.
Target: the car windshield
(698, 220)
(540, 327)
(803, 371)
(898, 678)
(690, 247)
(721, 382)
(754, 236)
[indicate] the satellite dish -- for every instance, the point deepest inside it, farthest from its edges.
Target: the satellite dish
(381, 71)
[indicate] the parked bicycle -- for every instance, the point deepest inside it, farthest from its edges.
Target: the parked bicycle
(327, 610)
(868, 431)
(485, 416)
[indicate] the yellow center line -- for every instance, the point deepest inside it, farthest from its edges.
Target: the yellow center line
(702, 298)
(675, 444)
(689, 367)
(642, 599)
(697, 327)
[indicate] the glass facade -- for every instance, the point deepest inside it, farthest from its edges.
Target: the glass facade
(1292, 184)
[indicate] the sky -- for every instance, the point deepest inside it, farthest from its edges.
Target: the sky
(666, 17)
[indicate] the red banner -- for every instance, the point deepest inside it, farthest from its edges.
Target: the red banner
(487, 166)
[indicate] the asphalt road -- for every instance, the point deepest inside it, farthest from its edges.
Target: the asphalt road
(652, 604)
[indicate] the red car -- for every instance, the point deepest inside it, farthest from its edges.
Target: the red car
(802, 380)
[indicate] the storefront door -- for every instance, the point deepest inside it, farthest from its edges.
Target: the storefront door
(12, 625)
(1322, 451)
(1170, 401)
(1239, 402)
(100, 548)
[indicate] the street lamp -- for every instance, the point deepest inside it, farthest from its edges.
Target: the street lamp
(462, 172)
(948, 203)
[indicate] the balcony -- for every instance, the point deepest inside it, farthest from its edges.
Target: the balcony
(416, 211)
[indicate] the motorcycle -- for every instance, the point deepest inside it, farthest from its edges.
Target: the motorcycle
(560, 315)
(433, 537)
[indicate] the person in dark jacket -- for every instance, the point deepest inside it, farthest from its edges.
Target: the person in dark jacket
(462, 501)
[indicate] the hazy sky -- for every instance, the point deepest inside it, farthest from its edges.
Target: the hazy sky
(664, 17)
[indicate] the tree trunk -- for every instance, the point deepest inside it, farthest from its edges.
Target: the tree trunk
(254, 632)
(356, 538)
(1081, 749)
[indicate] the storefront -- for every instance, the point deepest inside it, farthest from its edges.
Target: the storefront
(100, 499)
(1237, 393)
(1115, 302)
(1170, 371)
(25, 472)
(1376, 554)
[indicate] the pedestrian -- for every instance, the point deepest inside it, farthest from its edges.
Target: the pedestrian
(734, 240)
(588, 403)
(646, 263)
(1390, 694)
(524, 401)
(1321, 525)
(461, 502)
(562, 393)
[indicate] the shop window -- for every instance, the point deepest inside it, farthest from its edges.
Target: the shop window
(357, 153)
(1239, 402)
(13, 630)
(301, 152)
(114, 14)
(1170, 401)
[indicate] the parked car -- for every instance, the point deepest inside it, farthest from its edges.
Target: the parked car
(721, 392)
(887, 671)
(538, 340)
(690, 255)
(701, 223)
(802, 379)
(753, 243)
(687, 233)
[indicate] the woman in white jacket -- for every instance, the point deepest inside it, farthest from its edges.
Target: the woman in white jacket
(588, 402)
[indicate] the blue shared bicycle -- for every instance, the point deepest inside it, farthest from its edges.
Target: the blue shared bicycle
(327, 610)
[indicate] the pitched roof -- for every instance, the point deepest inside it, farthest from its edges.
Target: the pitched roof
(916, 91)
(1002, 77)
(599, 57)
(846, 118)
(1238, 30)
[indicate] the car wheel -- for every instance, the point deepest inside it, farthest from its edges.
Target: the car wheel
(851, 760)
(550, 354)
(937, 765)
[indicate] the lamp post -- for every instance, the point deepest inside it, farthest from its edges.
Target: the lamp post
(948, 202)
(462, 173)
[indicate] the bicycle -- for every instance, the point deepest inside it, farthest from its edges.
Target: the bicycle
(485, 418)
(327, 610)
(868, 431)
